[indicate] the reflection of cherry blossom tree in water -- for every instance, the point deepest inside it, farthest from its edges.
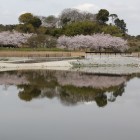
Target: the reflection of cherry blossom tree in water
(70, 88)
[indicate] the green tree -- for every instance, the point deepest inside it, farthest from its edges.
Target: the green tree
(7, 27)
(25, 28)
(41, 30)
(112, 30)
(102, 16)
(57, 32)
(36, 22)
(113, 17)
(28, 18)
(65, 21)
(85, 28)
(25, 18)
(121, 24)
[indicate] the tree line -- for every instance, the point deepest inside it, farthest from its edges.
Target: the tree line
(70, 22)
(47, 31)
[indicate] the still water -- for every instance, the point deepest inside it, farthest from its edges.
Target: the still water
(56, 105)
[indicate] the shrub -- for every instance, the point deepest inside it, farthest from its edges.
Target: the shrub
(41, 41)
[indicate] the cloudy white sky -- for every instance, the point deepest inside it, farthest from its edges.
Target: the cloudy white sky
(126, 9)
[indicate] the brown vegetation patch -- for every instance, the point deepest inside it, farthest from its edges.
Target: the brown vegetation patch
(40, 54)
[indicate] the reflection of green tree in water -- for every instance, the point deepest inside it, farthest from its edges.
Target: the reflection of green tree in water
(118, 92)
(71, 95)
(101, 100)
(45, 84)
(70, 87)
(37, 82)
(29, 92)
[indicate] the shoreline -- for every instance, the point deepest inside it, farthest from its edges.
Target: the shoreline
(55, 65)
(106, 65)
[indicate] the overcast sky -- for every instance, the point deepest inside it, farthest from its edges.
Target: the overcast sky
(126, 9)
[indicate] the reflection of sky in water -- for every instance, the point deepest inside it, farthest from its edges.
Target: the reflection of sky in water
(48, 119)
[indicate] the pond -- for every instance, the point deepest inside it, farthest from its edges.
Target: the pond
(65, 105)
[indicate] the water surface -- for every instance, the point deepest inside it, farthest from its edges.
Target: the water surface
(56, 105)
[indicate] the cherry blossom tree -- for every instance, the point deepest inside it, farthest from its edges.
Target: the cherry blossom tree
(95, 42)
(14, 39)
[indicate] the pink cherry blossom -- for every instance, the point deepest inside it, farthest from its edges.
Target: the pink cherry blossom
(13, 38)
(95, 42)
